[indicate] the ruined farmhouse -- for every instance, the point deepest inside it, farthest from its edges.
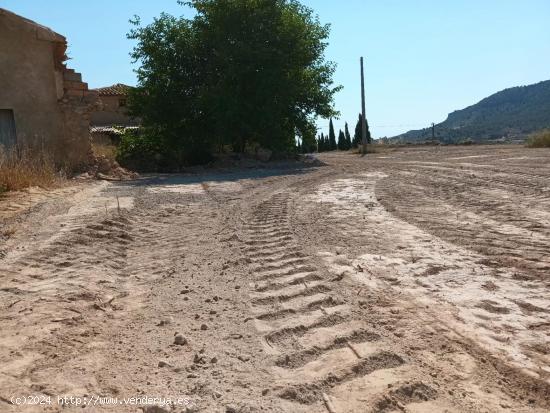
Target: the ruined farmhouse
(112, 117)
(44, 105)
(114, 111)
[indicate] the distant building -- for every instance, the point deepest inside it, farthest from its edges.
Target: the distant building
(114, 111)
(43, 104)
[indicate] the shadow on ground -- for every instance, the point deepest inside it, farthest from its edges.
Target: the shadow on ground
(224, 175)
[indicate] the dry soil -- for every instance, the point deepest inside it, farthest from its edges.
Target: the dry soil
(411, 280)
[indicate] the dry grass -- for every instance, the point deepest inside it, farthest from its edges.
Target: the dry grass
(25, 169)
(109, 151)
(539, 139)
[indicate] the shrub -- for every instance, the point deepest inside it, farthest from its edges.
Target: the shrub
(540, 139)
(25, 168)
(466, 141)
(106, 150)
(148, 150)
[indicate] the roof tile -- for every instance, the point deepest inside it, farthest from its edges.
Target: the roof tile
(117, 89)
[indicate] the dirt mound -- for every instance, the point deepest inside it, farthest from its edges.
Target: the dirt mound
(109, 170)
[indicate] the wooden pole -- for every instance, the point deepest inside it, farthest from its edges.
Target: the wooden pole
(364, 123)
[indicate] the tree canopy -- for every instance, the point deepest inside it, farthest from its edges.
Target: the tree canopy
(240, 73)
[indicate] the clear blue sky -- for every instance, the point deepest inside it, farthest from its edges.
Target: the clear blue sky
(424, 58)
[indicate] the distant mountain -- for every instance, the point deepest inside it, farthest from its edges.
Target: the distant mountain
(511, 113)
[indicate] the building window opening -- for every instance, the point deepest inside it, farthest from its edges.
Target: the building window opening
(8, 138)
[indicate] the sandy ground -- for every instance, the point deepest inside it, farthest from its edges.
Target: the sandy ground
(414, 280)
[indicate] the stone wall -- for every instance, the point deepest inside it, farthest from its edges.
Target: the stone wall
(112, 113)
(51, 104)
(77, 106)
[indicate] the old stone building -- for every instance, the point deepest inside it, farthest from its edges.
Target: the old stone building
(113, 110)
(43, 104)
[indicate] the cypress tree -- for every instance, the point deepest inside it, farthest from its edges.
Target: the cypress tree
(369, 137)
(357, 135)
(321, 143)
(331, 136)
(358, 132)
(341, 141)
(348, 137)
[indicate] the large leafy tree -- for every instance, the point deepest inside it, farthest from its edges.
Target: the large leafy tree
(169, 89)
(241, 72)
(307, 136)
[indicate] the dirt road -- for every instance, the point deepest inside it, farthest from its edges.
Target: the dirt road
(414, 280)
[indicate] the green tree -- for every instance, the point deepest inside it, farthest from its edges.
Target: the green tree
(341, 141)
(359, 133)
(167, 96)
(348, 137)
(307, 136)
(324, 143)
(331, 137)
(241, 72)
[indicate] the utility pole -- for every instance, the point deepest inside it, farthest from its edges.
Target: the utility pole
(364, 125)
(433, 131)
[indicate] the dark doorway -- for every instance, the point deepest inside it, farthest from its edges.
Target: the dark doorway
(8, 138)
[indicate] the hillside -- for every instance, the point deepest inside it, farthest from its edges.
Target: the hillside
(510, 113)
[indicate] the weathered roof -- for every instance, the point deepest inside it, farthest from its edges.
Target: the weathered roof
(42, 32)
(116, 130)
(118, 89)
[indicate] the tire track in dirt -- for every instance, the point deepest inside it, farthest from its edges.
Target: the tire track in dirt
(317, 340)
(58, 299)
(315, 331)
(497, 203)
(350, 216)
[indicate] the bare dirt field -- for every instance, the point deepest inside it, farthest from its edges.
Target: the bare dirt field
(412, 280)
